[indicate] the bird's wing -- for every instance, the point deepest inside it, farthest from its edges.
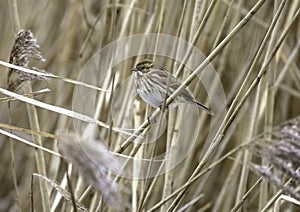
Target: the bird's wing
(174, 83)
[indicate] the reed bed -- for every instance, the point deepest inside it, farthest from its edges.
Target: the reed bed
(75, 136)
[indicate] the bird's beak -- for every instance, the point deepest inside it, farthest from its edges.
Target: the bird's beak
(134, 69)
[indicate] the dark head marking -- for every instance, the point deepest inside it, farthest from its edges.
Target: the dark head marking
(143, 66)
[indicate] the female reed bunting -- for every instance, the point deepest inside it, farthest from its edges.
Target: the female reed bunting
(151, 82)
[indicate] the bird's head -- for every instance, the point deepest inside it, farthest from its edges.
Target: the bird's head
(143, 67)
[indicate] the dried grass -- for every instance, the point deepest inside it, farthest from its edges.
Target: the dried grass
(282, 151)
(254, 48)
(24, 49)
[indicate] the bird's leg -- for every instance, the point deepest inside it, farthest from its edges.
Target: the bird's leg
(153, 121)
(165, 109)
(149, 119)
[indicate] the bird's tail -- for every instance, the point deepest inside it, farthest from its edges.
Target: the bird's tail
(203, 107)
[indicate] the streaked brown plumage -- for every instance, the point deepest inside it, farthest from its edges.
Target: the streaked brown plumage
(151, 83)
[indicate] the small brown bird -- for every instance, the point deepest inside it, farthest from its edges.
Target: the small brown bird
(151, 83)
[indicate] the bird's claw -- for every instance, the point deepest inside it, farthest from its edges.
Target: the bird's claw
(149, 119)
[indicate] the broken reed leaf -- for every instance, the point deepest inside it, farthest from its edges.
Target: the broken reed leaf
(93, 161)
(34, 93)
(48, 75)
(282, 151)
(24, 49)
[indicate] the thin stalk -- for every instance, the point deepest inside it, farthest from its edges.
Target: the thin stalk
(222, 203)
(254, 120)
(217, 139)
(222, 27)
(195, 178)
(257, 103)
(33, 119)
(288, 64)
(14, 174)
(198, 15)
(275, 197)
(16, 24)
(269, 112)
(169, 173)
(196, 38)
(137, 185)
(213, 54)
(246, 195)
